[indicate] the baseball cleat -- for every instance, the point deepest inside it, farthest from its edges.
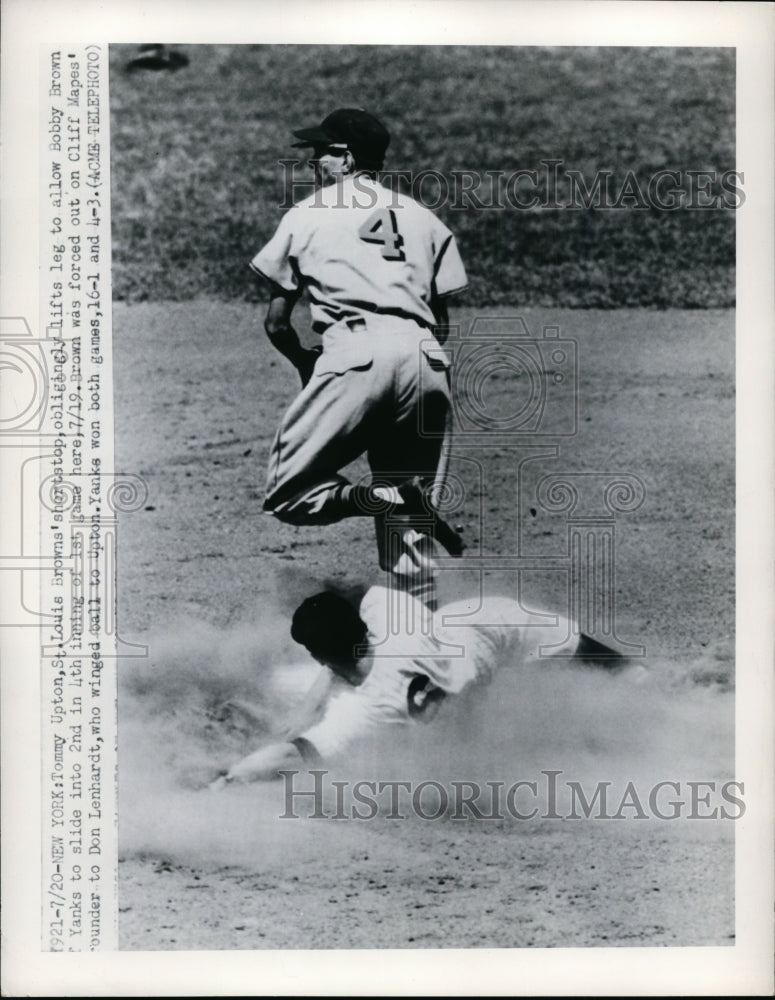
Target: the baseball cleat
(595, 654)
(157, 57)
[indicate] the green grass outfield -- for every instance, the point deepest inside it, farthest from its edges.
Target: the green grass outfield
(197, 186)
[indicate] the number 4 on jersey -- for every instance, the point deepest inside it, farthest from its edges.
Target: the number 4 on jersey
(381, 228)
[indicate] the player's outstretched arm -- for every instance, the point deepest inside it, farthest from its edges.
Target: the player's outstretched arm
(282, 335)
(310, 709)
(263, 765)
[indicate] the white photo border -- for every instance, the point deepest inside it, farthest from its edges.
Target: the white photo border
(744, 968)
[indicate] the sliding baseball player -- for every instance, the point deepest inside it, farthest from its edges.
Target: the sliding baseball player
(393, 670)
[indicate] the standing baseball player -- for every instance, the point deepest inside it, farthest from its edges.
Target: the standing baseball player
(377, 267)
(373, 681)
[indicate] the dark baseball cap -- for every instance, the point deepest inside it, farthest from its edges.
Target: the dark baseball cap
(350, 128)
(329, 627)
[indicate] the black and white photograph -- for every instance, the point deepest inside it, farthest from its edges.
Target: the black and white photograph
(527, 332)
(405, 508)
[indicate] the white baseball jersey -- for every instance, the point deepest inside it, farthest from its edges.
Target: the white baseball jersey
(360, 249)
(500, 631)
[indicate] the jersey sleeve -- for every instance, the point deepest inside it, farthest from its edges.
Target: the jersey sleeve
(311, 706)
(276, 260)
(449, 272)
(344, 722)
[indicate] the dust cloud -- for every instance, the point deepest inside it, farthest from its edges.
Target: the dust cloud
(178, 729)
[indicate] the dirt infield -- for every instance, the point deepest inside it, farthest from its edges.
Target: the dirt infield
(207, 581)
